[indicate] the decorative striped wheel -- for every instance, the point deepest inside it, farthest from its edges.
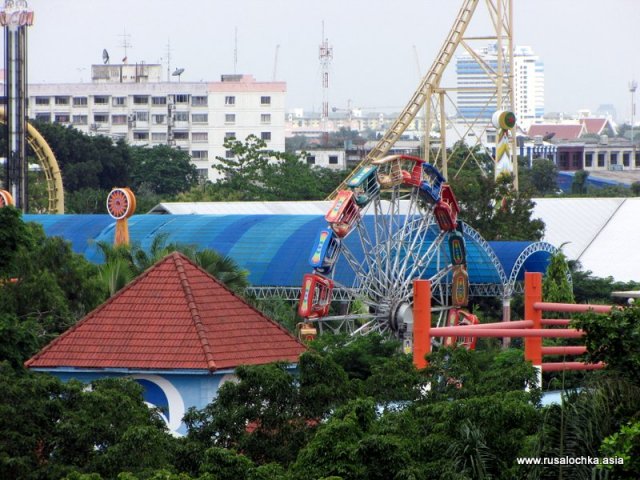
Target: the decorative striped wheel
(5, 198)
(121, 203)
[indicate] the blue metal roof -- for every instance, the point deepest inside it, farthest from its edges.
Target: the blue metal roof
(273, 248)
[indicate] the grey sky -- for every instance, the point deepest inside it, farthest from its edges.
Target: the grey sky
(589, 47)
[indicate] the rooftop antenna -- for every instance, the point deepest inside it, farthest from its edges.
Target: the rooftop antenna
(275, 63)
(125, 44)
(168, 59)
(325, 55)
(235, 51)
(178, 72)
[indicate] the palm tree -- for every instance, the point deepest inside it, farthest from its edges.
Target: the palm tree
(125, 262)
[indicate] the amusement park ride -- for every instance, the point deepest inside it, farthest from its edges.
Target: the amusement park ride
(403, 212)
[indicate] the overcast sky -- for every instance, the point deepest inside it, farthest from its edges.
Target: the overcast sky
(589, 47)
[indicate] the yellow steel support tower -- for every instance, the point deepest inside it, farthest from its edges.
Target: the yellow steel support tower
(435, 97)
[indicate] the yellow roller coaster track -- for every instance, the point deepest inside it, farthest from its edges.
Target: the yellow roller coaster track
(48, 163)
(432, 95)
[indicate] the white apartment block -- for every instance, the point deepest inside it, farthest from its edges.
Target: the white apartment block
(528, 84)
(133, 103)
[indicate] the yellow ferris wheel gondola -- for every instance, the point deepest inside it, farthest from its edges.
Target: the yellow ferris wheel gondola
(48, 163)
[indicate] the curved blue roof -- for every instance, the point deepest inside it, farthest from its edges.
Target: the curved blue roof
(273, 248)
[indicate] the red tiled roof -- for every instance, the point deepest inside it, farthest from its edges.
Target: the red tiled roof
(561, 132)
(174, 316)
(594, 125)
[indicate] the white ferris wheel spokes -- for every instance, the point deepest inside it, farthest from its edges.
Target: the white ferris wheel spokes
(396, 222)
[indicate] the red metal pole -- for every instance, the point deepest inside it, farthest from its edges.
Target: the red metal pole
(564, 350)
(468, 331)
(501, 325)
(559, 366)
(421, 322)
(555, 322)
(570, 307)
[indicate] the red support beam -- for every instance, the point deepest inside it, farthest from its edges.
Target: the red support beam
(533, 295)
(570, 307)
(559, 366)
(421, 322)
(468, 331)
(501, 325)
(564, 350)
(555, 322)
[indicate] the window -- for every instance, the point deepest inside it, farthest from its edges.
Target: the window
(158, 119)
(637, 158)
(79, 101)
(181, 135)
(199, 137)
(230, 118)
(79, 120)
(228, 154)
(62, 100)
(100, 118)
(229, 100)
(311, 160)
(333, 159)
(230, 135)
(119, 101)
(203, 173)
(200, 118)
(265, 135)
(265, 118)
(601, 159)
(141, 99)
(118, 119)
(588, 159)
(182, 98)
(43, 117)
(199, 101)
(200, 154)
(265, 100)
(613, 159)
(141, 135)
(42, 100)
(159, 136)
(61, 118)
(181, 116)
(158, 100)
(142, 116)
(101, 100)
(626, 159)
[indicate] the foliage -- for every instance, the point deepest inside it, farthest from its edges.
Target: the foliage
(555, 285)
(53, 286)
(624, 444)
(491, 206)
(255, 173)
(614, 338)
(579, 185)
(542, 176)
(93, 162)
(162, 170)
(50, 428)
(590, 289)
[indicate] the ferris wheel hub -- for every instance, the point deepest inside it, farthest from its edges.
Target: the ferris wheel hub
(401, 315)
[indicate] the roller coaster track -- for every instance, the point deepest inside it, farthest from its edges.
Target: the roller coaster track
(429, 83)
(49, 164)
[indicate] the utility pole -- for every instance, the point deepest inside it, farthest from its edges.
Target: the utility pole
(325, 55)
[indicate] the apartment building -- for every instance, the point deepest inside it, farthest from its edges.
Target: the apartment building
(133, 103)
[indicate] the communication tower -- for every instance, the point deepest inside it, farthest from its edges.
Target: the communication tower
(325, 56)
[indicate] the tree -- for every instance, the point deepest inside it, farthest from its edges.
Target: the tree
(556, 286)
(162, 170)
(579, 184)
(544, 176)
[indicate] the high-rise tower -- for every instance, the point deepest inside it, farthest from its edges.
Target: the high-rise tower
(15, 18)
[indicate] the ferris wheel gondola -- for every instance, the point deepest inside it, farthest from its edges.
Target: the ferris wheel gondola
(395, 222)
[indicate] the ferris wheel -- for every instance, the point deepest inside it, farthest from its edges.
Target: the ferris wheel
(395, 222)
